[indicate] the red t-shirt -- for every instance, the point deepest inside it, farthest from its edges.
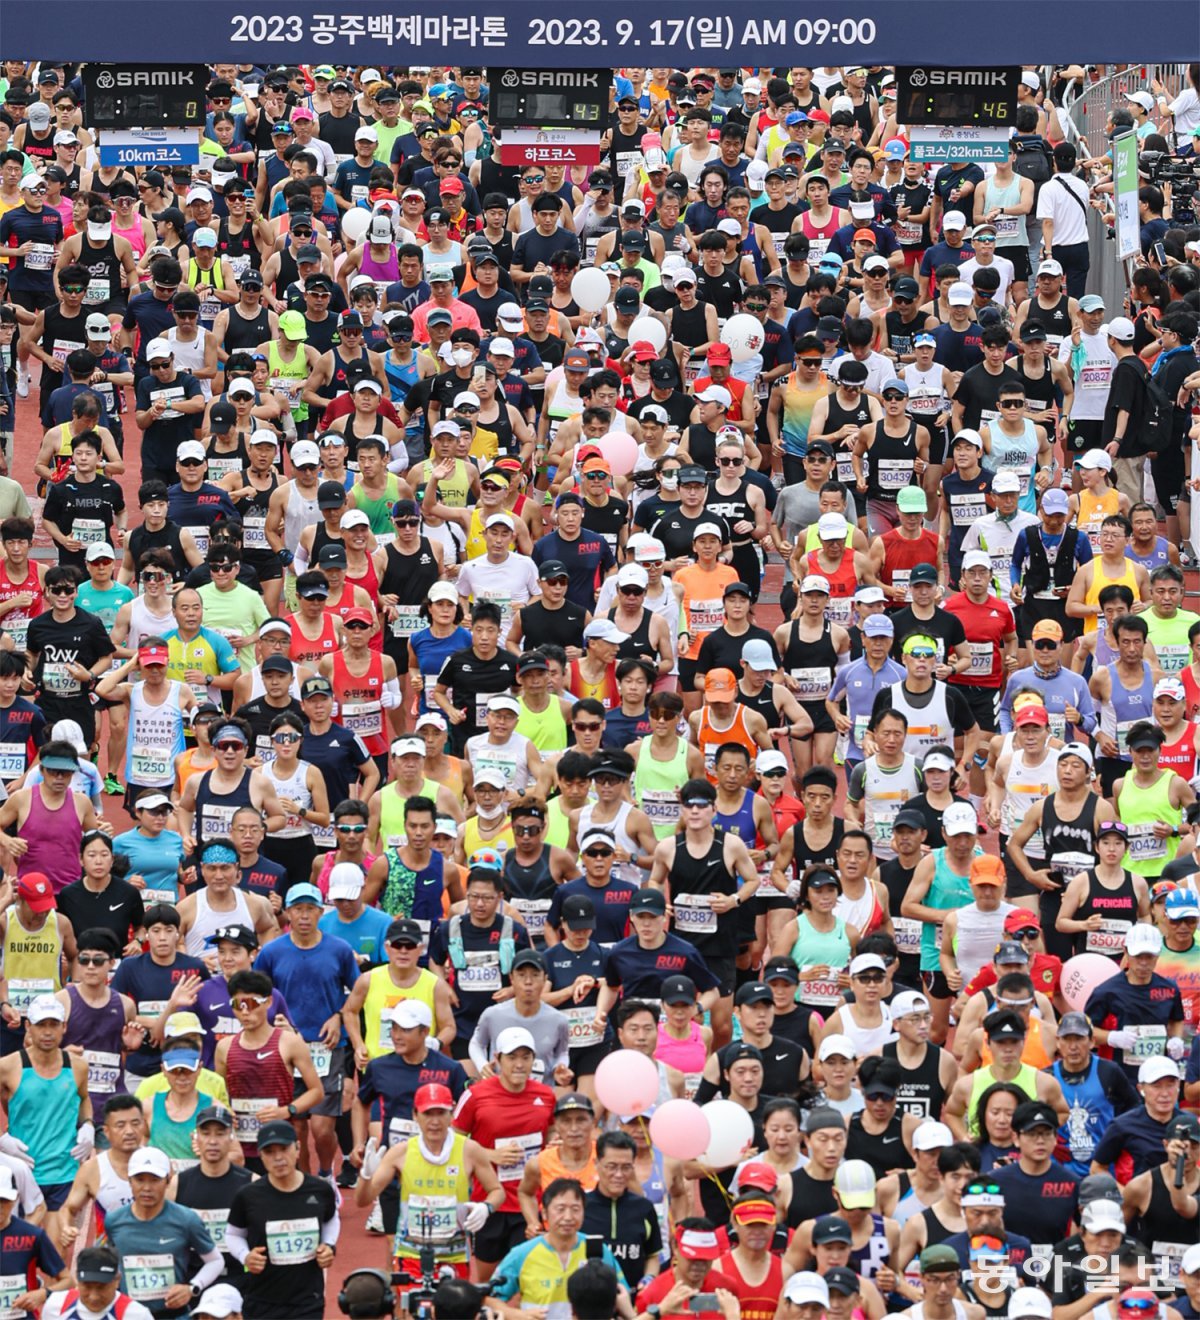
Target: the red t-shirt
(656, 1291)
(1044, 973)
(1191, 691)
(495, 1116)
(986, 626)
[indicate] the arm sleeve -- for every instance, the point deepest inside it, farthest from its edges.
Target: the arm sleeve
(236, 1243)
(479, 1047)
(210, 1271)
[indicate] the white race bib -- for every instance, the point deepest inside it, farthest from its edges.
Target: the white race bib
(149, 1278)
(293, 1241)
(694, 914)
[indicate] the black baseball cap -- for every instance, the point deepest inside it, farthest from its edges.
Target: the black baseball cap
(221, 417)
(214, 1114)
(781, 969)
(331, 495)
(529, 958)
(678, 989)
(1032, 1114)
(404, 930)
(741, 1051)
(1004, 1025)
(578, 912)
(754, 992)
(831, 1228)
(648, 900)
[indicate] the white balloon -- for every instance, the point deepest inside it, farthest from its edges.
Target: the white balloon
(732, 1131)
(743, 335)
(355, 224)
(590, 289)
(649, 329)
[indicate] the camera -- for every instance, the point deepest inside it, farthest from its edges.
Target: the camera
(1159, 167)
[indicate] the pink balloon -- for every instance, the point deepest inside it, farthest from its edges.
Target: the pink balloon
(620, 449)
(1082, 974)
(627, 1082)
(680, 1130)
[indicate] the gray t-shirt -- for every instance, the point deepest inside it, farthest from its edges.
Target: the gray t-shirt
(798, 507)
(548, 1027)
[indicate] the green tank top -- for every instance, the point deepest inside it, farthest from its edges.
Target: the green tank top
(1025, 1080)
(546, 729)
(1139, 808)
(44, 1114)
(656, 786)
(454, 491)
(814, 947)
(173, 1138)
(288, 378)
(379, 511)
(391, 808)
(558, 827)
(1169, 638)
(947, 891)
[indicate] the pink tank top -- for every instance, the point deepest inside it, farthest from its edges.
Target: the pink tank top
(328, 864)
(136, 237)
(686, 1055)
(54, 838)
(385, 272)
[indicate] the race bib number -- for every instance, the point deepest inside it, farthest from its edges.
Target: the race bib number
(22, 993)
(812, 684)
(221, 465)
(98, 291)
(1095, 376)
(104, 1070)
(1144, 845)
(481, 975)
(12, 1286)
(661, 807)
(982, 654)
(216, 1221)
(1109, 939)
(400, 1129)
(40, 256)
(533, 913)
(287, 387)
(481, 703)
(581, 1027)
(694, 914)
(292, 1241)
(148, 1278)
(840, 610)
(1008, 226)
(893, 473)
(966, 509)
(255, 534)
(1172, 658)
(322, 1057)
(705, 615)
(151, 1008)
(150, 765)
(88, 531)
(245, 1117)
(530, 1143)
(908, 935)
(407, 621)
(823, 993)
(364, 718)
(432, 1219)
(908, 233)
(1150, 1042)
(1168, 1256)
(845, 467)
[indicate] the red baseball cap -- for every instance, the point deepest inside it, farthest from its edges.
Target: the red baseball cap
(37, 891)
(644, 351)
(152, 655)
(719, 353)
(864, 236)
(1031, 714)
(359, 614)
(433, 1095)
(1020, 918)
(757, 1174)
(697, 1244)
(452, 184)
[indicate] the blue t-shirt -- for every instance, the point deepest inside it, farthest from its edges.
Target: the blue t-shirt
(611, 904)
(641, 972)
(316, 981)
(364, 934)
(393, 1083)
(155, 860)
(587, 560)
(175, 1231)
(149, 985)
(337, 753)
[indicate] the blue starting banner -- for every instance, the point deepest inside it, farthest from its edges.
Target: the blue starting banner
(544, 34)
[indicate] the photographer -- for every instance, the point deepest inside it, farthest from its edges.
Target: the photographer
(368, 1295)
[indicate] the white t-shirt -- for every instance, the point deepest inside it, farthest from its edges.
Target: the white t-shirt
(1002, 266)
(512, 582)
(1070, 218)
(1186, 109)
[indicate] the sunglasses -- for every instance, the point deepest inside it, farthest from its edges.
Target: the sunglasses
(159, 366)
(922, 653)
(896, 298)
(526, 831)
(871, 978)
(95, 960)
(599, 852)
(230, 745)
(246, 1003)
(891, 396)
(351, 829)
(407, 522)
(534, 178)
(755, 307)
(285, 738)
(730, 462)
(633, 591)
(356, 624)
(983, 1189)
(226, 566)
(72, 288)
(773, 774)
(1005, 403)
(1045, 646)
(66, 589)
(587, 728)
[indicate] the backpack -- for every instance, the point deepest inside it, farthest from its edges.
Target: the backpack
(1031, 160)
(1157, 415)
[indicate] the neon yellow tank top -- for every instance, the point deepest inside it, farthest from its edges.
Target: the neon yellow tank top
(383, 992)
(430, 1195)
(391, 808)
(32, 960)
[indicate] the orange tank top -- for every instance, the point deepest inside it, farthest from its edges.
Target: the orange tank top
(185, 768)
(605, 691)
(551, 1166)
(709, 738)
(1034, 1053)
(304, 650)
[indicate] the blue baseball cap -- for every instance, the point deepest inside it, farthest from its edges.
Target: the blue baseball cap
(1181, 903)
(304, 893)
(796, 117)
(189, 1059)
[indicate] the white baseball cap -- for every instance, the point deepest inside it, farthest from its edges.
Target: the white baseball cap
(771, 759)
(1095, 458)
(806, 1287)
(836, 1043)
(960, 294)
(604, 630)
(191, 449)
(632, 575)
(906, 1002)
(304, 451)
(502, 347)
(219, 1301)
(959, 818)
(346, 880)
(954, 220)
(149, 1159)
(1006, 482)
(1030, 1302)
(976, 559)
(832, 527)
(1143, 938)
(1119, 328)
(814, 582)
(512, 1039)
(46, 1008)
(932, 1135)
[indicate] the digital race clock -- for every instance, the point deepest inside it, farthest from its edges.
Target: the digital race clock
(144, 95)
(960, 97)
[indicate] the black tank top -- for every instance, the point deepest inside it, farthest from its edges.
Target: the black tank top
(883, 1151)
(810, 1198)
(39, 148)
(703, 876)
(689, 326)
(921, 1092)
(859, 414)
(253, 508)
(935, 1230)
(733, 508)
(1070, 844)
(723, 291)
(1056, 321)
(321, 539)
(890, 454)
(409, 577)
(60, 330)
(807, 855)
(1040, 391)
(636, 643)
(531, 890)
(237, 244)
(214, 811)
(166, 538)
(763, 704)
(702, 445)
(820, 654)
(1119, 904)
(244, 333)
(1161, 1222)
(501, 428)
(104, 271)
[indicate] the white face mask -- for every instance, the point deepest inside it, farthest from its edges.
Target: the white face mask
(492, 815)
(462, 357)
(670, 481)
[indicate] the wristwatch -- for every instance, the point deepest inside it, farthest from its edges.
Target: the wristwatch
(292, 1111)
(654, 1311)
